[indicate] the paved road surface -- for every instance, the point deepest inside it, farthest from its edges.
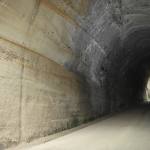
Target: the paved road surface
(126, 131)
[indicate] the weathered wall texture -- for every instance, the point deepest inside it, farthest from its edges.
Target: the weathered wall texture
(34, 25)
(38, 97)
(96, 45)
(110, 47)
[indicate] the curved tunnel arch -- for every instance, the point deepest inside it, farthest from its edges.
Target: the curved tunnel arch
(113, 52)
(130, 72)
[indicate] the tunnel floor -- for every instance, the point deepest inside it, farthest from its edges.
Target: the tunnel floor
(128, 130)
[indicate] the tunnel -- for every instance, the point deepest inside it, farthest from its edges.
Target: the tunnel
(119, 37)
(130, 69)
(67, 63)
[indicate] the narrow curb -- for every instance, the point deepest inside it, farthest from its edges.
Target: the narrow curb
(49, 138)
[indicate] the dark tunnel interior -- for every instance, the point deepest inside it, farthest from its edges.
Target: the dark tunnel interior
(128, 75)
(113, 53)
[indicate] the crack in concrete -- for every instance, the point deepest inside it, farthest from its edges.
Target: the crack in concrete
(35, 11)
(21, 103)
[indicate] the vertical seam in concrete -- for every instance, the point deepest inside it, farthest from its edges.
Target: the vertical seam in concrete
(21, 103)
(35, 11)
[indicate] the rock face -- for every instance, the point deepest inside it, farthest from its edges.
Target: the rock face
(112, 52)
(96, 43)
(64, 62)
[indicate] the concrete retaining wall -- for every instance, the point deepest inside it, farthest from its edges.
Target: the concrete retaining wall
(37, 96)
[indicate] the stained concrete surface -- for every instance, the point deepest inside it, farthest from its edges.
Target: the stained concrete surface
(33, 91)
(126, 131)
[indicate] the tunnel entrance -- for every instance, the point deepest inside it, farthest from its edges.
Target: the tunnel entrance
(147, 92)
(128, 75)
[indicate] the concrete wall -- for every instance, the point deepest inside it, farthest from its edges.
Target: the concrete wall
(38, 96)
